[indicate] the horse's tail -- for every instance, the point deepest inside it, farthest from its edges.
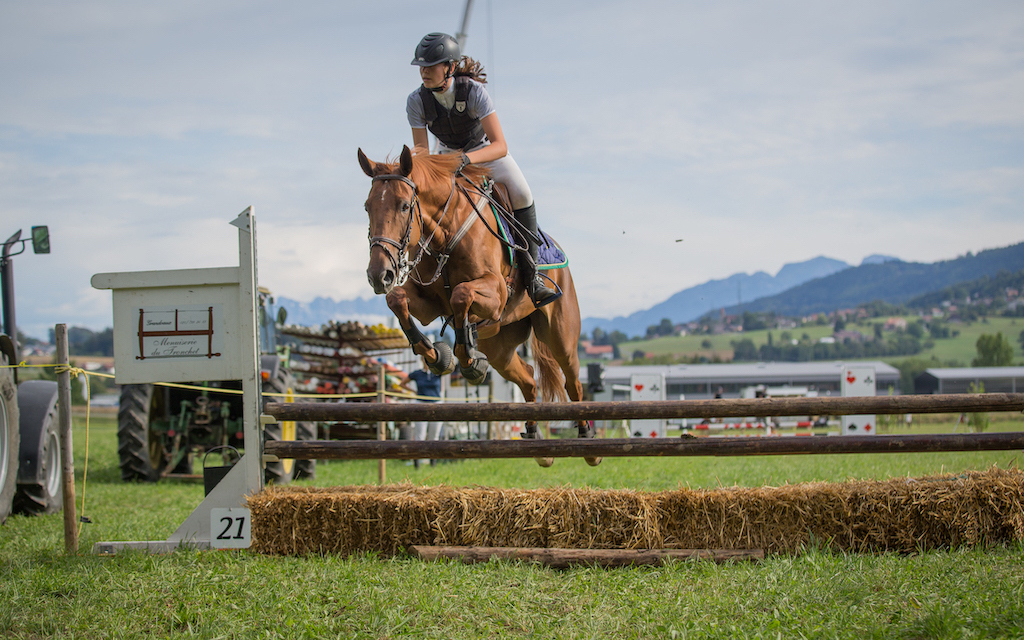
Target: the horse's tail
(549, 374)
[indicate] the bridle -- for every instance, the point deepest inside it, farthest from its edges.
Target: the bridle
(400, 259)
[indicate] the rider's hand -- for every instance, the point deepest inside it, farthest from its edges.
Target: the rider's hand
(464, 162)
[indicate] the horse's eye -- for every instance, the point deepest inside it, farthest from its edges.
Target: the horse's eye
(405, 207)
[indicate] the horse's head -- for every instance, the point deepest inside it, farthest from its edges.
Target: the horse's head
(391, 206)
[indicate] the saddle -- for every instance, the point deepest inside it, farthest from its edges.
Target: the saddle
(549, 255)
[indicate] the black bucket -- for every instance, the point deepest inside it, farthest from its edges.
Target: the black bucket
(213, 475)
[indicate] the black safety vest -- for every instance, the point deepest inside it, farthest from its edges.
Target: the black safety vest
(454, 128)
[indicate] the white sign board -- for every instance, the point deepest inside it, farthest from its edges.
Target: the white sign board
(176, 326)
(230, 528)
(647, 386)
(858, 382)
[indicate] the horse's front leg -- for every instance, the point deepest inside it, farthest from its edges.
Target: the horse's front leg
(438, 356)
(483, 298)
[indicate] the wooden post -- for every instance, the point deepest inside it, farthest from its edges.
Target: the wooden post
(67, 460)
(382, 464)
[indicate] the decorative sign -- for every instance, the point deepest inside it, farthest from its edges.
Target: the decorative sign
(647, 386)
(191, 331)
(858, 382)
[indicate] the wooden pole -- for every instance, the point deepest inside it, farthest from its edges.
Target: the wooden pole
(720, 408)
(67, 460)
(563, 558)
(382, 463)
(640, 447)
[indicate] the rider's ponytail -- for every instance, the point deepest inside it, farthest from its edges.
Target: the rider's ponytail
(470, 67)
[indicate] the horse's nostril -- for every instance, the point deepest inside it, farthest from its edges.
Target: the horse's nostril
(388, 278)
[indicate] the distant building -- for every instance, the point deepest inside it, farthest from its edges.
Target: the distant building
(959, 380)
(700, 381)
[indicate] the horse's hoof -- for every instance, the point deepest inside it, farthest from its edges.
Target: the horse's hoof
(585, 429)
(445, 362)
(545, 462)
(477, 369)
(593, 461)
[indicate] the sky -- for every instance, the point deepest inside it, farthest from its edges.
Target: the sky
(667, 143)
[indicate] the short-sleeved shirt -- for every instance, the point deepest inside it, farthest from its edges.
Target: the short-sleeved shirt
(478, 104)
(427, 383)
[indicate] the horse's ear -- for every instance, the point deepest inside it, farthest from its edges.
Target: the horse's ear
(365, 163)
(405, 161)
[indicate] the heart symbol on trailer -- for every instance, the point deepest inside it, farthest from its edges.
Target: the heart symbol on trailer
(638, 387)
(850, 377)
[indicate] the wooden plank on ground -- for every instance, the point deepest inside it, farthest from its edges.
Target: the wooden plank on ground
(563, 558)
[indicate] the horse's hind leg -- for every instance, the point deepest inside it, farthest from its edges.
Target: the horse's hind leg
(558, 326)
(502, 352)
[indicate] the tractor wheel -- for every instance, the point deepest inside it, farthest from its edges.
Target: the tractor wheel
(10, 439)
(305, 468)
(40, 489)
(141, 454)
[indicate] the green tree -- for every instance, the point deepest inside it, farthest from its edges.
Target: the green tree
(993, 351)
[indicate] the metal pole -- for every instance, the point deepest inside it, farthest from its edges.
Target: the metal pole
(67, 460)
(7, 293)
(382, 464)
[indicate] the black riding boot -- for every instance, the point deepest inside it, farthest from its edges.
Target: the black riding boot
(536, 286)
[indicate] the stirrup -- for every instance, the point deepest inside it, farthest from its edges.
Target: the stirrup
(541, 294)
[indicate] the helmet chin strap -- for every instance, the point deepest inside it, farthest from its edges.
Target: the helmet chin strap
(447, 77)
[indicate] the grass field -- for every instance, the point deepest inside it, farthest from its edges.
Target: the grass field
(960, 349)
(961, 593)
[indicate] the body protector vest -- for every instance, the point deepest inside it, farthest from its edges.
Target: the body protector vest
(454, 128)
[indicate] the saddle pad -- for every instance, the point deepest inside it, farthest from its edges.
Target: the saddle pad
(549, 254)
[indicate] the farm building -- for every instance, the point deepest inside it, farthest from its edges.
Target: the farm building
(702, 381)
(959, 380)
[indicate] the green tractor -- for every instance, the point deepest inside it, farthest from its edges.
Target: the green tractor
(163, 429)
(30, 457)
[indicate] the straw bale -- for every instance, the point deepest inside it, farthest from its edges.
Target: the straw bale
(901, 514)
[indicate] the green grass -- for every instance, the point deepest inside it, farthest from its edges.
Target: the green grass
(960, 349)
(964, 593)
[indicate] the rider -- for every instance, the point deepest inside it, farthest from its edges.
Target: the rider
(454, 105)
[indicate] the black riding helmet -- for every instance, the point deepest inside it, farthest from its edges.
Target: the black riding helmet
(435, 48)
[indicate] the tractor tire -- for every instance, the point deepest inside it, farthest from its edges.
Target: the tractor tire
(139, 459)
(305, 469)
(40, 489)
(10, 439)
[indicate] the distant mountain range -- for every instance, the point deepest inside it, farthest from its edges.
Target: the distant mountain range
(895, 282)
(818, 285)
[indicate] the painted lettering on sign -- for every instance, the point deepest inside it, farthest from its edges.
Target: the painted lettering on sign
(180, 332)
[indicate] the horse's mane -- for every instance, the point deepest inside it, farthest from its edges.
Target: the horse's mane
(436, 170)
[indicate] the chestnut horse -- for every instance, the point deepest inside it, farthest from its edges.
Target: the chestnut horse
(436, 250)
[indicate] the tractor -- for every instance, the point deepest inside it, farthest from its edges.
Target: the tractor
(163, 429)
(30, 457)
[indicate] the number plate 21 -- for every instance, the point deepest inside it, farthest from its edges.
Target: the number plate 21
(230, 528)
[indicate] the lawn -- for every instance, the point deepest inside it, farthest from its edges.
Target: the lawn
(960, 349)
(817, 594)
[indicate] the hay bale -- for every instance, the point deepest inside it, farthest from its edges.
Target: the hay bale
(902, 514)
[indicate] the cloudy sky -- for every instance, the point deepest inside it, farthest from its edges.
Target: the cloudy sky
(757, 133)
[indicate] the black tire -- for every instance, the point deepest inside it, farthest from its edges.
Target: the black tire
(10, 439)
(305, 469)
(40, 488)
(139, 458)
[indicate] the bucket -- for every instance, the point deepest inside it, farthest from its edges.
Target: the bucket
(213, 475)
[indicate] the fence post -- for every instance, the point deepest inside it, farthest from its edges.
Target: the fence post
(67, 460)
(382, 464)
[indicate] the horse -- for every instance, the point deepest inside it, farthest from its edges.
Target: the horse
(436, 250)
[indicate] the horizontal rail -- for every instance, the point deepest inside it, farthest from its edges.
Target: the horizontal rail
(720, 408)
(632, 447)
